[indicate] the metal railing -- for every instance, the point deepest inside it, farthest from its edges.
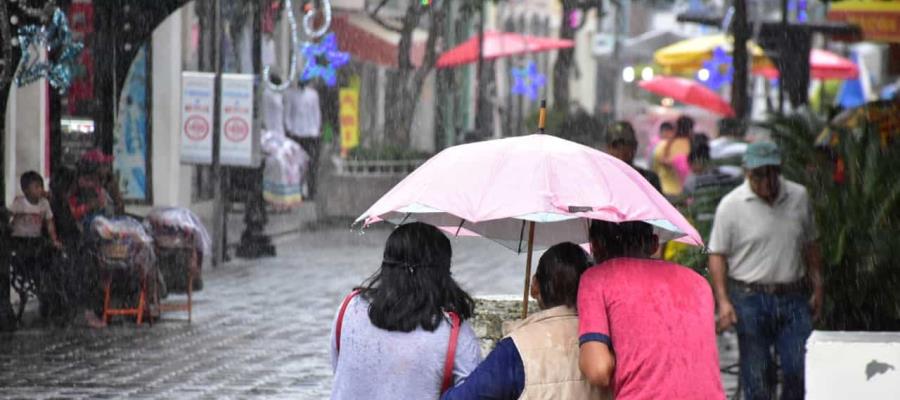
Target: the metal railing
(375, 167)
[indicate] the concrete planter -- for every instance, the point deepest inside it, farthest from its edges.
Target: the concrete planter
(349, 187)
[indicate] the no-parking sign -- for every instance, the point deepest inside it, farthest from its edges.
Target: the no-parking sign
(237, 120)
(196, 117)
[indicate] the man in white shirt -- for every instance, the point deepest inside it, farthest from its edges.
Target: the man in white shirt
(303, 120)
(766, 272)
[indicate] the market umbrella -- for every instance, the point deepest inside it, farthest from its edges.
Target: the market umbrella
(498, 45)
(823, 64)
(688, 55)
(527, 192)
(688, 91)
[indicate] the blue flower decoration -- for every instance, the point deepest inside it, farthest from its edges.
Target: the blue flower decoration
(327, 52)
(528, 81)
(717, 77)
(55, 37)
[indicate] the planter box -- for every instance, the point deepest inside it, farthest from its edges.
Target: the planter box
(348, 187)
(853, 365)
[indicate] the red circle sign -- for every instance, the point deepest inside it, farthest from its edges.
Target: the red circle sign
(196, 128)
(236, 129)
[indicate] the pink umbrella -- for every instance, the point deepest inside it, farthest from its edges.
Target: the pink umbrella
(822, 65)
(498, 45)
(688, 91)
(525, 192)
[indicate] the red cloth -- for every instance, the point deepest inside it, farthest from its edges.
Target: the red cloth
(658, 318)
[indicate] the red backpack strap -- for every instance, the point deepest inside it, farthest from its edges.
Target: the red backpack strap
(340, 320)
(451, 352)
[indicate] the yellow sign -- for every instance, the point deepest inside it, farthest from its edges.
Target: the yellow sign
(349, 118)
(879, 20)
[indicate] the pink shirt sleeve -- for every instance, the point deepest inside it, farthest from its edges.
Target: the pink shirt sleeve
(593, 321)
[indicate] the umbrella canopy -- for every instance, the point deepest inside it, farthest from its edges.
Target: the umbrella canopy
(497, 45)
(494, 188)
(823, 64)
(688, 55)
(688, 91)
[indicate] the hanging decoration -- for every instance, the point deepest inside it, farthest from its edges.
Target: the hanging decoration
(310, 14)
(717, 71)
(528, 81)
(292, 72)
(57, 38)
(323, 60)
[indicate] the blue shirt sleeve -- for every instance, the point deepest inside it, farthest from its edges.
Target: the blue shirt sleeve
(501, 376)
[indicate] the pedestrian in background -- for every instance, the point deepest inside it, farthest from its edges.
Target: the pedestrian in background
(647, 327)
(670, 157)
(539, 358)
(621, 143)
(393, 337)
(763, 244)
(303, 121)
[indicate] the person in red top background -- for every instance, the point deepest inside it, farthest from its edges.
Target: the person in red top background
(646, 327)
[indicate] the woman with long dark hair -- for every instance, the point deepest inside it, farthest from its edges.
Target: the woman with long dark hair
(393, 337)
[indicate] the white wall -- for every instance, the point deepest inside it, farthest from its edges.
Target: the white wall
(26, 134)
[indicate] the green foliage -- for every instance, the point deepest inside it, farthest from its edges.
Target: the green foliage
(858, 219)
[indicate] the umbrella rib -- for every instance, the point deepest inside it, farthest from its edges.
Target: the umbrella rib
(459, 228)
(403, 221)
(521, 237)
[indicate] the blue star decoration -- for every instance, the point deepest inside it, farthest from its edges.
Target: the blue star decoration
(55, 38)
(323, 59)
(527, 81)
(720, 69)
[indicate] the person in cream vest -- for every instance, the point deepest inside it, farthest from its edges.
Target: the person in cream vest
(539, 358)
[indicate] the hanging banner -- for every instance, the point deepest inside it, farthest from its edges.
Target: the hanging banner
(878, 19)
(132, 140)
(237, 120)
(349, 118)
(196, 117)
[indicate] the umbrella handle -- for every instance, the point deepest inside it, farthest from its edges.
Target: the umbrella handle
(542, 117)
(528, 269)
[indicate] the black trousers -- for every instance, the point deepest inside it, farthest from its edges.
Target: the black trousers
(311, 145)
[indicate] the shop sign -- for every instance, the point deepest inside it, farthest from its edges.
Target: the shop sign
(196, 117)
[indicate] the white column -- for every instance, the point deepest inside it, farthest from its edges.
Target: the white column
(169, 177)
(26, 134)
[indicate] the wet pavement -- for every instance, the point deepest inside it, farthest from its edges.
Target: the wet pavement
(260, 328)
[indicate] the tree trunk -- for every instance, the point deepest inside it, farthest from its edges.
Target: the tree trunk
(405, 85)
(564, 58)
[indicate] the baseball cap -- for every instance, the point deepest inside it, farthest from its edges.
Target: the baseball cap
(761, 154)
(621, 132)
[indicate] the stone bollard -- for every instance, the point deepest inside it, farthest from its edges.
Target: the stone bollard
(493, 316)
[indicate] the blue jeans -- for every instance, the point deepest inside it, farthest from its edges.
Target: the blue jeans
(765, 320)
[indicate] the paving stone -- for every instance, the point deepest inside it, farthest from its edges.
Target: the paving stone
(260, 328)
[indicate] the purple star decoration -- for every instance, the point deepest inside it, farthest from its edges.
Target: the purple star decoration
(527, 81)
(717, 77)
(323, 59)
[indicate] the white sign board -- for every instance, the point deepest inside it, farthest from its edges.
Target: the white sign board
(237, 120)
(196, 117)
(853, 365)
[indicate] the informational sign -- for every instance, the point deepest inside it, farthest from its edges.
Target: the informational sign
(878, 19)
(132, 145)
(349, 118)
(197, 90)
(237, 120)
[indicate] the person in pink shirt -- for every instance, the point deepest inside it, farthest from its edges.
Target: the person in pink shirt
(646, 327)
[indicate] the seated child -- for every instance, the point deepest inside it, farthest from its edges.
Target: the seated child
(29, 214)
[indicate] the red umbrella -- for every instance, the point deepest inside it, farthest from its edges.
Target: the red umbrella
(822, 65)
(497, 45)
(688, 91)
